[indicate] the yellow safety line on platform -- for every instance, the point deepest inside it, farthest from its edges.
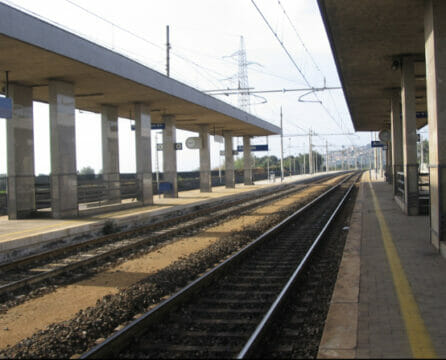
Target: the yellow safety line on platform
(419, 338)
(73, 222)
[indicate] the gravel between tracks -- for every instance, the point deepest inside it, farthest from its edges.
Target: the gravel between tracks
(80, 333)
(311, 298)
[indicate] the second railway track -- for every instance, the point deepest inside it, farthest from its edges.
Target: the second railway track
(225, 313)
(38, 268)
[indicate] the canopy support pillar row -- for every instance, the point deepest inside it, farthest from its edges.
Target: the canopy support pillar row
(397, 137)
(205, 160)
(64, 201)
(20, 150)
(110, 152)
(170, 155)
(435, 51)
(247, 161)
(410, 163)
(143, 125)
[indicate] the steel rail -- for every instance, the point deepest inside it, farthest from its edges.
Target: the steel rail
(140, 229)
(116, 236)
(32, 279)
(269, 316)
(115, 343)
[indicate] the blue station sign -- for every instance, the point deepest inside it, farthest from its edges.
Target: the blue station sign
(377, 144)
(254, 148)
(5, 108)
(419, 115)
(158, 126)
(154, 126)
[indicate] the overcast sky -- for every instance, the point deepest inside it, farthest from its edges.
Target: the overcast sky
(203, 35)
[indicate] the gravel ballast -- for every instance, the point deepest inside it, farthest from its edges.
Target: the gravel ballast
(92, 324)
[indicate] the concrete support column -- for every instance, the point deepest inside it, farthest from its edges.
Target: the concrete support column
(397, 137)
(205, 160)
(229, 162)
(389, 162)
(110, 152)
(64, 201)
(409, 136)
(170, 154)
(143, 125)
(382, 162)
(435, 42)
(20, 150)
(247, 161)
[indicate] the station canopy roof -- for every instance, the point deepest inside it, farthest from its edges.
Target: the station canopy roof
(34, 52)
(367, 37)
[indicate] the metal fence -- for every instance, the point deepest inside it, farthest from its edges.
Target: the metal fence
(423, 190)
(3, 183)
(400, 183)
(424, 193)
(94, 189)
(42, 190)
(3, 198)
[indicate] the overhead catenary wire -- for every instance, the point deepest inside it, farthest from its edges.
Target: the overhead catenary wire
(127, 52)
(228, 60)
(184, 58)
(114, 24)
(300, 39)
(154, 44)
(144, 39)
(282, 44)
(336, 108)
(236, 91)
(296, 66)
(198, 65)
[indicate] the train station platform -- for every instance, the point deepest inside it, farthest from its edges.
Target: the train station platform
(20, 238)
(390, 296)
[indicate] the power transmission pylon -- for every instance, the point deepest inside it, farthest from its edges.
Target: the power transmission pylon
(243, 96)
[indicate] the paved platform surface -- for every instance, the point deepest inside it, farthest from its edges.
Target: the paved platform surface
(395, 306)
(20, 238)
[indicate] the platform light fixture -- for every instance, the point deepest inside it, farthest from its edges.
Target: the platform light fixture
(395, 65)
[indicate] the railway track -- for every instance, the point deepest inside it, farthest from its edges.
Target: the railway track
(38, 268)
(226, 312)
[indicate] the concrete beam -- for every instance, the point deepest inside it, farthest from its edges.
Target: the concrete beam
(435, 52)
(110, 152)
(247, 162)
(64, 201)
(410, 164)
(20, 150)
(143, 152)
(229, 162)
(170, 154)
(68, 55)
(397, 29)
(205, 160)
